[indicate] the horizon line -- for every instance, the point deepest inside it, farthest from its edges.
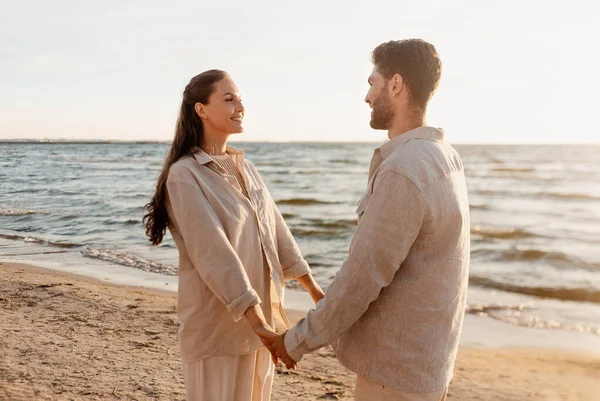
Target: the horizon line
(165, 142)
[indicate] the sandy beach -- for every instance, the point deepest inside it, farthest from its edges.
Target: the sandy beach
(69, 337)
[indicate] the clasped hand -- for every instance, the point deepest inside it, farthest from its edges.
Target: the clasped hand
(275, 344)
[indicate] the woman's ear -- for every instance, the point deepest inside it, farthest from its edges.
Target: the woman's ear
(199, 109)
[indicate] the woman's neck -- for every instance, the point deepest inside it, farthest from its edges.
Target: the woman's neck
(214, 143)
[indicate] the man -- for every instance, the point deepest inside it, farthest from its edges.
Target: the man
(394, 311)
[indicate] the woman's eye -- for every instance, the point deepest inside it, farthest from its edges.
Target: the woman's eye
(229, 100)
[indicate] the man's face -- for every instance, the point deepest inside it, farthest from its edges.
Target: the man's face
(379, 100)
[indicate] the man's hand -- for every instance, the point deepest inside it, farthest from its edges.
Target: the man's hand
(275, 344)
(279, 348)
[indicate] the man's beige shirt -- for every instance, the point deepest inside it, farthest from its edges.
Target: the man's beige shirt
(394, 310)
(225, 241)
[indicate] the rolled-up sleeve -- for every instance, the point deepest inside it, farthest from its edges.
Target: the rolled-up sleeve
(391, 222)
(209, 248)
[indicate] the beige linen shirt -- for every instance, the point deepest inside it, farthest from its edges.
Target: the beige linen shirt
(225, 240)
(394, 310)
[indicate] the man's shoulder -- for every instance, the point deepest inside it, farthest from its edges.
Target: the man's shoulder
(422, 161)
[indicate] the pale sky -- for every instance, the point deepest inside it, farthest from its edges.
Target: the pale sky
(514, 71)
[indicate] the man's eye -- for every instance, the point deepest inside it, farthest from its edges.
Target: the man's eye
(229, 100)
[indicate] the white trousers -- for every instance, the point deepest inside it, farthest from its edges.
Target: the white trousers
(230, 378)
(369, 391)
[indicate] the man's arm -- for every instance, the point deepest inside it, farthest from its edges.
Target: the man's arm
(388, 228)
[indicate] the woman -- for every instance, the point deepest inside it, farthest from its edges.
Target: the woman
(235, 250)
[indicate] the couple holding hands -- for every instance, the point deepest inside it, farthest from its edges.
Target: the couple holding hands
(395, 308)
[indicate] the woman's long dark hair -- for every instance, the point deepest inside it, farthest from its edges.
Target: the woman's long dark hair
(188, 135)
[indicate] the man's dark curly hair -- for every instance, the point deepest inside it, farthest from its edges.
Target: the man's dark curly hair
(416, 61)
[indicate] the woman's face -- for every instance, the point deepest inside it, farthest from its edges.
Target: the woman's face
(224, 112)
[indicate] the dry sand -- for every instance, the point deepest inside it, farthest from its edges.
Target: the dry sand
(67, 337)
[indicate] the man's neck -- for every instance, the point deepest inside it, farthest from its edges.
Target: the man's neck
(402, 125)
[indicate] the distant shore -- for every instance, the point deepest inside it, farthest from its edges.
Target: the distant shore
(68, 337)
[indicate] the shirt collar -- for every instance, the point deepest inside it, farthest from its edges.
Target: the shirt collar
(430, 133)
(204, 158)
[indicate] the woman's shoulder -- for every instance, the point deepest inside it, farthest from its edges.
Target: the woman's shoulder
(251, 168)
(182, 169)
(249, 163)
(253, 174)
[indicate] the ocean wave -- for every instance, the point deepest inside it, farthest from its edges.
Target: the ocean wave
(130, 260)
(270, 163)
(567, 294)
(127, 222)
(333, 224)
(63, 244)
(568, 196)
(513, 170)
(312, 233)
(11, 236)
(40, 241)
(493, 192)
(556, 259)
(34, 240)
(479, 207)
(19, 212)
(306, 172)
(343, 161)
(90, 159)
(524, 315)
(325, 229)
(303, 202)
(27, 190)
(134, 196)
(501, 233)
(56, 191)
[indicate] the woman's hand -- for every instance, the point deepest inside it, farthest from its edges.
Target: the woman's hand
(267, 335)
(310, 285)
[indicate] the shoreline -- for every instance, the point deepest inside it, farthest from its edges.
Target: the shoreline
(510, 325)
(509, 308)
(73, 337)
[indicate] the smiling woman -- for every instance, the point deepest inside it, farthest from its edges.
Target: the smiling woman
(235, 249)
(221, 115)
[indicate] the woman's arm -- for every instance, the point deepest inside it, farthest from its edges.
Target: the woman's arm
(257, 320)
(310, 285)
(208, 246)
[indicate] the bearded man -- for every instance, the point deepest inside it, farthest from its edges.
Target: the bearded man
(395, 309)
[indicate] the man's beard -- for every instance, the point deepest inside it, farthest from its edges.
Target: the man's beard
(382, 111)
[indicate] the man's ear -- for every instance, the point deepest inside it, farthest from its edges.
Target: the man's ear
(199, 109)
(396, 84)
